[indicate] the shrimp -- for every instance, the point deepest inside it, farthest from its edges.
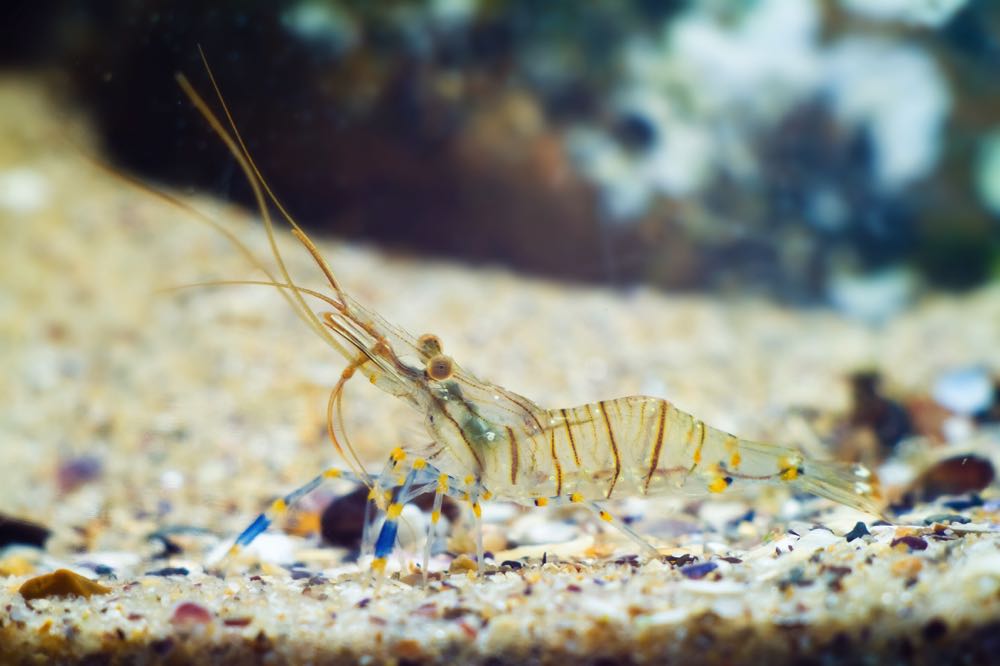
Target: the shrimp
(487, 442)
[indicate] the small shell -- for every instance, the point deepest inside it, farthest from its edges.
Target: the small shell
(60, 583)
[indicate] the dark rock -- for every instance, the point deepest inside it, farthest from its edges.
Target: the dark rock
(859, 530)
(169, 571)
(957, 475)
(342, 521)
(17, 530)
(700, 570)
(888, 419)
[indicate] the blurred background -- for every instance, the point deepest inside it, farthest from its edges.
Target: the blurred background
(843, 152)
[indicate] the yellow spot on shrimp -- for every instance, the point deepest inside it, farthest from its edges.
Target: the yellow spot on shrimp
(606, 516)
(435, 517)
(700, 427)
(419, 463)
(477, 509)
(487, 495)
(279, 506)
(398, 454)
(734, 460)
(576, 497)
(332, 474)
(541, 501)
(717, 485)
(790, 474)
(469, 480)
(378, 565)
(394, 510)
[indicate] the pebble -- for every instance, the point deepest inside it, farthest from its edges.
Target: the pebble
(189, 613)
(22, 191)
(956, 475)
(946, 518)
(75, 472)
(169, 571)
(910, 541)
(700, 570)
(462, 563)
(859, 530)
(965, 391)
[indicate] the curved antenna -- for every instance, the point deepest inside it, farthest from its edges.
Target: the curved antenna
(285, 288)
(296, 229)
(335, 401)
(251, 177)
(293, 293)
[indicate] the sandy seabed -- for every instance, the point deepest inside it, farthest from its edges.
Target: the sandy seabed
(132, 419)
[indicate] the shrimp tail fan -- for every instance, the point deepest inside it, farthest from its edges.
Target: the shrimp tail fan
(850, 484)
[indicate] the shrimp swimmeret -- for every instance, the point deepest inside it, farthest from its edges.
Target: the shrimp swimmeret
(491, 443)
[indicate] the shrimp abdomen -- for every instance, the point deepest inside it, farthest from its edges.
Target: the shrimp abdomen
(646, 446)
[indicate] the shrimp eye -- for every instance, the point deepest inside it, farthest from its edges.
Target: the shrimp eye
(439, 367)
(429, 344)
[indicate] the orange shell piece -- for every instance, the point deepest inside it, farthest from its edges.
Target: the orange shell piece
(60, 583)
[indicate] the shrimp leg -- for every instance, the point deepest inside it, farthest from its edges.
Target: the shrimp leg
(439, 492)
(390, 526)
(281, 505)
(624, 528)
(421, 478)
(617, 523)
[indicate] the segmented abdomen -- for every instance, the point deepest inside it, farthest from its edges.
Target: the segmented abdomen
(634, 446)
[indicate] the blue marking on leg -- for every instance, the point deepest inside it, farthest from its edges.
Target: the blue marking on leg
(386, 538)
(250, 533)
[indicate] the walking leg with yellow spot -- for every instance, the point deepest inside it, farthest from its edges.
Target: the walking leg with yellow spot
(390, 526)
(578, 498)
(619, 524)
(477, 522)
(439, 492)
(282, 504)
(380, 496)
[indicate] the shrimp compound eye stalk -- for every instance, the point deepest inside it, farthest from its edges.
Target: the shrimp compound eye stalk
(430, 344)
(440, 367)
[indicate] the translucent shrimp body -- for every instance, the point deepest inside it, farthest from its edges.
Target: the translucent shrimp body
(487, 442)
(632, 446)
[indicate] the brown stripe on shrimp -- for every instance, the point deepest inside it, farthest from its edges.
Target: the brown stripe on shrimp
(572, 440)
(654, 459)
(555, 462)
(441, 408)
(512, 440)
(614, 448)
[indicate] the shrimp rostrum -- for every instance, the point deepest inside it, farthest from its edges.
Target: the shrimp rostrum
(490, 443)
